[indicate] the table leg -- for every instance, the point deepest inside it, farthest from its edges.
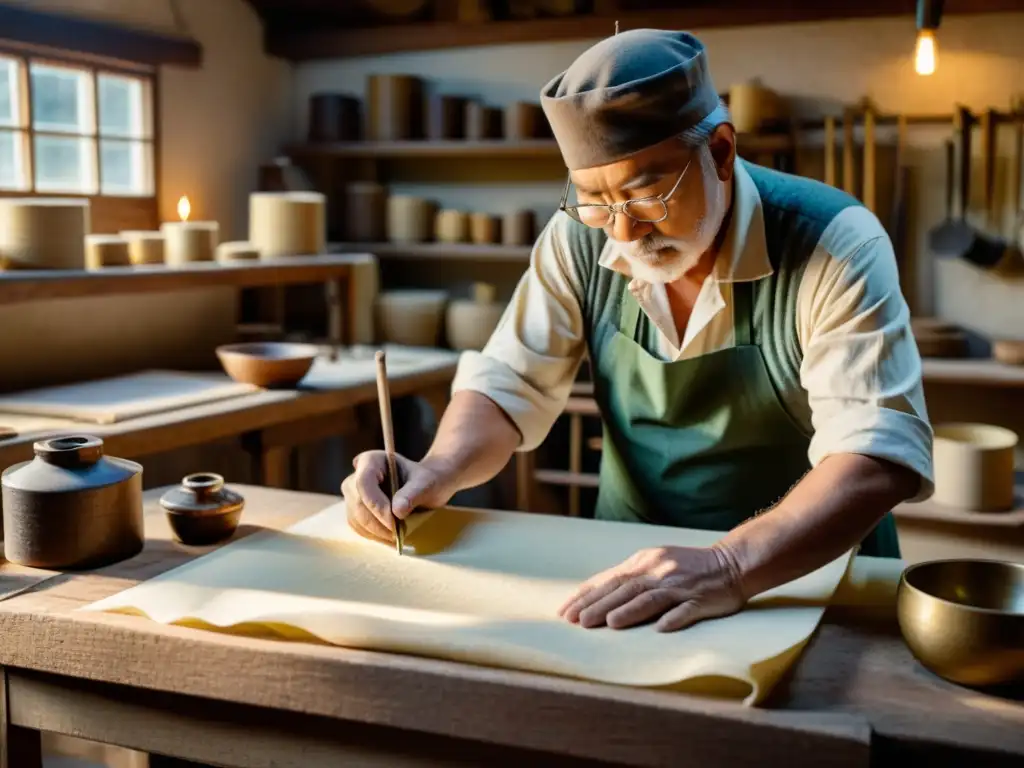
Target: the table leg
(275, 467)
(19, 747)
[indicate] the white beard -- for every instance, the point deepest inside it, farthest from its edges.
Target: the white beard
(658, 259)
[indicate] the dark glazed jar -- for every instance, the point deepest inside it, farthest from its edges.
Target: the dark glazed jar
(72, 507)
(201, 510)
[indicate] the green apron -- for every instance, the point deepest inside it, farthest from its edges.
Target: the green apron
(700, 443)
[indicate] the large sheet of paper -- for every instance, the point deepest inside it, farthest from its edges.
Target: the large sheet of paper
(482, 587)
(107, 401)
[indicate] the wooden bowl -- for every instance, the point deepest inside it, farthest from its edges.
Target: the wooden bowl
(964, 619)
(267, 363)
(1008, 351)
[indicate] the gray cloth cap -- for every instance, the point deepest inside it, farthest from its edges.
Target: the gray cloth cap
(629, 92)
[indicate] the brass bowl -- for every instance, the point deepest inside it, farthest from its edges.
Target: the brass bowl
(267, 363)
(964, 619)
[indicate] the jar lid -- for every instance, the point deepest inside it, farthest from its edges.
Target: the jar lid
(68, 464)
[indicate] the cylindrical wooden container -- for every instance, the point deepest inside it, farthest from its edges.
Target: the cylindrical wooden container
(288, 223)
(410, 219)
(974, 466)
(446, 118)
(484, 229)
(524, 120)
(517, 228)
(411, 317)
(189, 241)
(365, 212)
(452, 226)
(144, 247)
(71, 506)
(394, 110)
(333, 117)
(483, 122)
(237, 250)
(752, 107)
(43, 233)
(106, 251)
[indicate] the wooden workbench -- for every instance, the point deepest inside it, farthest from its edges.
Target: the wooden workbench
(855, 697)
(269, 422)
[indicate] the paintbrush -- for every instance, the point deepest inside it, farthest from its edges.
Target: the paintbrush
(384, 396)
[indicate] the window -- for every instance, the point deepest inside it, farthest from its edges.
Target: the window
(74, 129)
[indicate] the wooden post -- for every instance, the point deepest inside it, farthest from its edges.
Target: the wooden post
(19, 747)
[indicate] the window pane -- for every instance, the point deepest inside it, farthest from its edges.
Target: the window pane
(125, 167)
(9, 98)
(64, 164)
(61, 99)
(121, 107)
(12, 160)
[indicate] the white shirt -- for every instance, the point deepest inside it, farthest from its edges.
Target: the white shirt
(861, 369)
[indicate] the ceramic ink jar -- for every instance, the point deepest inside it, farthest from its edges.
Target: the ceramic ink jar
(72, 507)
(201, 510)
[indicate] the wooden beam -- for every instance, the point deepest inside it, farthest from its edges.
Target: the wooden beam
(94, 37)
(305, 43)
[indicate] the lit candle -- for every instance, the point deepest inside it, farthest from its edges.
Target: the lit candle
(188, 241)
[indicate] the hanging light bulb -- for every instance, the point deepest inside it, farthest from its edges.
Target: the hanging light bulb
(924, 52)
(929, 14)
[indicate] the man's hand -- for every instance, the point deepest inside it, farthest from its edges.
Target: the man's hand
(421, 485)
(681, 585)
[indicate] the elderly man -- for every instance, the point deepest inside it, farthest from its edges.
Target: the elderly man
(751, 351)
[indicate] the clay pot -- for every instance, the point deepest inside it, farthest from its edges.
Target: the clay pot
(201, 511)
(411, 317)
(267, 363)
(71, 506)
(469, 323)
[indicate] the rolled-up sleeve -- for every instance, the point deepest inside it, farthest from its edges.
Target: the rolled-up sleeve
(530, 362)
(861, 366)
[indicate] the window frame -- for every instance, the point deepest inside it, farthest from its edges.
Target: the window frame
(94, 67)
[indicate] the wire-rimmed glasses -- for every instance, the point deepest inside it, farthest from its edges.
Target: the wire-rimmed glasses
(599, 215)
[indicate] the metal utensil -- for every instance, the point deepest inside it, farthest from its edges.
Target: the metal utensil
(957, 237)
(964, 619)
(384, 396)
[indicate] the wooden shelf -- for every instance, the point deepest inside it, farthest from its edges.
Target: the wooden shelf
(978, 372)
(490, 149)
(450, 148)
(35, 285)
(456, 251)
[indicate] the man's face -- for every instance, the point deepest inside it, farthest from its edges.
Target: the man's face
(662, 251)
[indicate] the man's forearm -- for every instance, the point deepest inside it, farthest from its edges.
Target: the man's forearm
(829, 511)
(474, 440)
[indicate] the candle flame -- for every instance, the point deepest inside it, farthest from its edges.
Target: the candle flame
(184, 208)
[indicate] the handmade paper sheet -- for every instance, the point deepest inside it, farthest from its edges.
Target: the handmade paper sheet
(482, 587)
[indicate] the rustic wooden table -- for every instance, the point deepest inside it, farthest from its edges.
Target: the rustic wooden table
(270, 423)
(855, 697)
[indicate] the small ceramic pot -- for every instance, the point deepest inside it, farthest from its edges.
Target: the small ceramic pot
(71, 506)
(412, 318)
(201, 510)
(974, 467)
